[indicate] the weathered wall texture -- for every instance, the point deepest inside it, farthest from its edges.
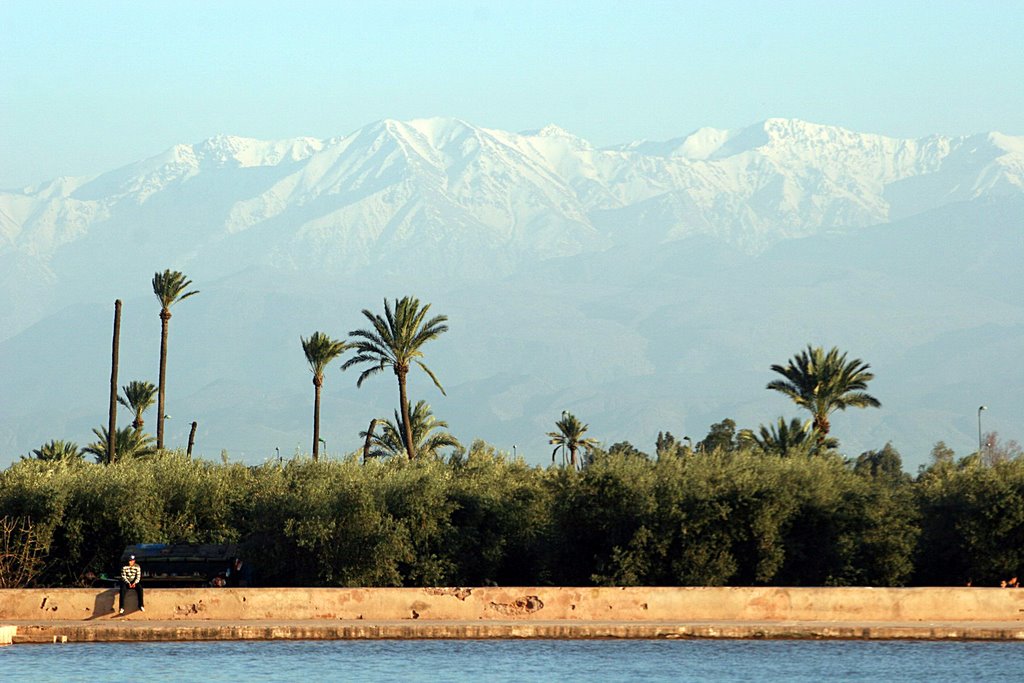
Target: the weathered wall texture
(560, 603)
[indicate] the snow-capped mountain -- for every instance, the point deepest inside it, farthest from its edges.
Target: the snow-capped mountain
(392, 185)
(646, 286)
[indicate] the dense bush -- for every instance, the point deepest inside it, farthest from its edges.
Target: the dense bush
(720, 518)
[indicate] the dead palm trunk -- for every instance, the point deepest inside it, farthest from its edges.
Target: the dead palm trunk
(112, 415)
(165, 317)
(369, 437)
(192, 437)
(318, 381)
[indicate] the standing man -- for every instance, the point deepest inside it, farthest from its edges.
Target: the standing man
(131, 577)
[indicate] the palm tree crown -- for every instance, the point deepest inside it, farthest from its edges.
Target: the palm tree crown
(169, 288)
(320, 350)
(784, 438)
(823, 382)
(129, 443)
(427, 440)
(58, 450)
(137, 397)
(396, 340)
(570, 436)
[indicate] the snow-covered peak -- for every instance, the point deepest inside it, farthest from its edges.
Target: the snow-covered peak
(438, 130)
(250, 152)
(556, 132)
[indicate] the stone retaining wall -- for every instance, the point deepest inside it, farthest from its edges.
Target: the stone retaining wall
(854, 605)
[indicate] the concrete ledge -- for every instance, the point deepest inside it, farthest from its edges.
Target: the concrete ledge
(320, 630)
(649, 604)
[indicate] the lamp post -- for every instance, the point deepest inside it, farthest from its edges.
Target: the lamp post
(980, 408)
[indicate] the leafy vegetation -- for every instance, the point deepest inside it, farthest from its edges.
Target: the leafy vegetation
(481, 518)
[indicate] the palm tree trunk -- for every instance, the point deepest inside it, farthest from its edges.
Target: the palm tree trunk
(821, 424)
(369, 436)
(192, 437)
(165, 317)
(403, 399)
(572, 457)
(112, 416)
(317, 382)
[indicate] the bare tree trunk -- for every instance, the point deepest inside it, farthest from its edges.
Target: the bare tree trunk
(165, 317)
(192, 437)
(369, 436)
(112, 415)
(317, 383)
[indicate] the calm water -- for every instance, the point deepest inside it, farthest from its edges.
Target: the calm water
(516, 660)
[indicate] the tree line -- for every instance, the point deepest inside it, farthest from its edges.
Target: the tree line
(479, 517)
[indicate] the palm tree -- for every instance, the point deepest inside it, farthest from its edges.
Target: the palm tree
(58, 450)
(570, 437)
(131, 443)
(823, 383)
(390, 440)
(320, 350)
(169, 287)
(395, 341)
(137, 397)
(784, 438)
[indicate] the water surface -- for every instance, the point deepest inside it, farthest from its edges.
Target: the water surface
(476, 661)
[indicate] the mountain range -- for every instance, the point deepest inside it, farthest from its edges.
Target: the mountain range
(645, 287)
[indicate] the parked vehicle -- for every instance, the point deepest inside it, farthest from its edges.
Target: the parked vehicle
(184, 564)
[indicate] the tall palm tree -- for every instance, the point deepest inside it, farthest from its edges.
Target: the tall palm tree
(137, 397)
(823, 382)
(570, 437)
(131, 443)
(427, 441)
(169, 288)
(320, 350)
(395, 342)
(58, 450)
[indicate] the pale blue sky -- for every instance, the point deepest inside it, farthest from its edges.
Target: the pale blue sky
(88, 86)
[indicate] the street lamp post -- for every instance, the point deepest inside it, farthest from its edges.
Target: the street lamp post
(980, 408)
